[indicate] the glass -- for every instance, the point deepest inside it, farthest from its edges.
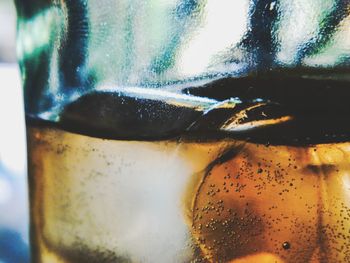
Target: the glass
(187, 130)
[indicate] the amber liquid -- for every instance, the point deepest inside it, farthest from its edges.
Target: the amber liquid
(186, 200)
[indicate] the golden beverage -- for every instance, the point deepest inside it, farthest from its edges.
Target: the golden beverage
(186, 199)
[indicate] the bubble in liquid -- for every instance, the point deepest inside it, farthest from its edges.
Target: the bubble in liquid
(286, 245)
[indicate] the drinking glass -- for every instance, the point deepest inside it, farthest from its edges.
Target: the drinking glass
(187, 130)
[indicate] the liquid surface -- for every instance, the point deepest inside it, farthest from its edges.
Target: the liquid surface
(186, 200)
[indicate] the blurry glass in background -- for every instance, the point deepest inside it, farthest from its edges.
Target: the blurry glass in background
(13, 193)
(7, 31)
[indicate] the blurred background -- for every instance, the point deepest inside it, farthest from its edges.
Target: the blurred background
(13, 189)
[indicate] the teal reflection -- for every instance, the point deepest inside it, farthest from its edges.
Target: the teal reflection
(36, 33)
